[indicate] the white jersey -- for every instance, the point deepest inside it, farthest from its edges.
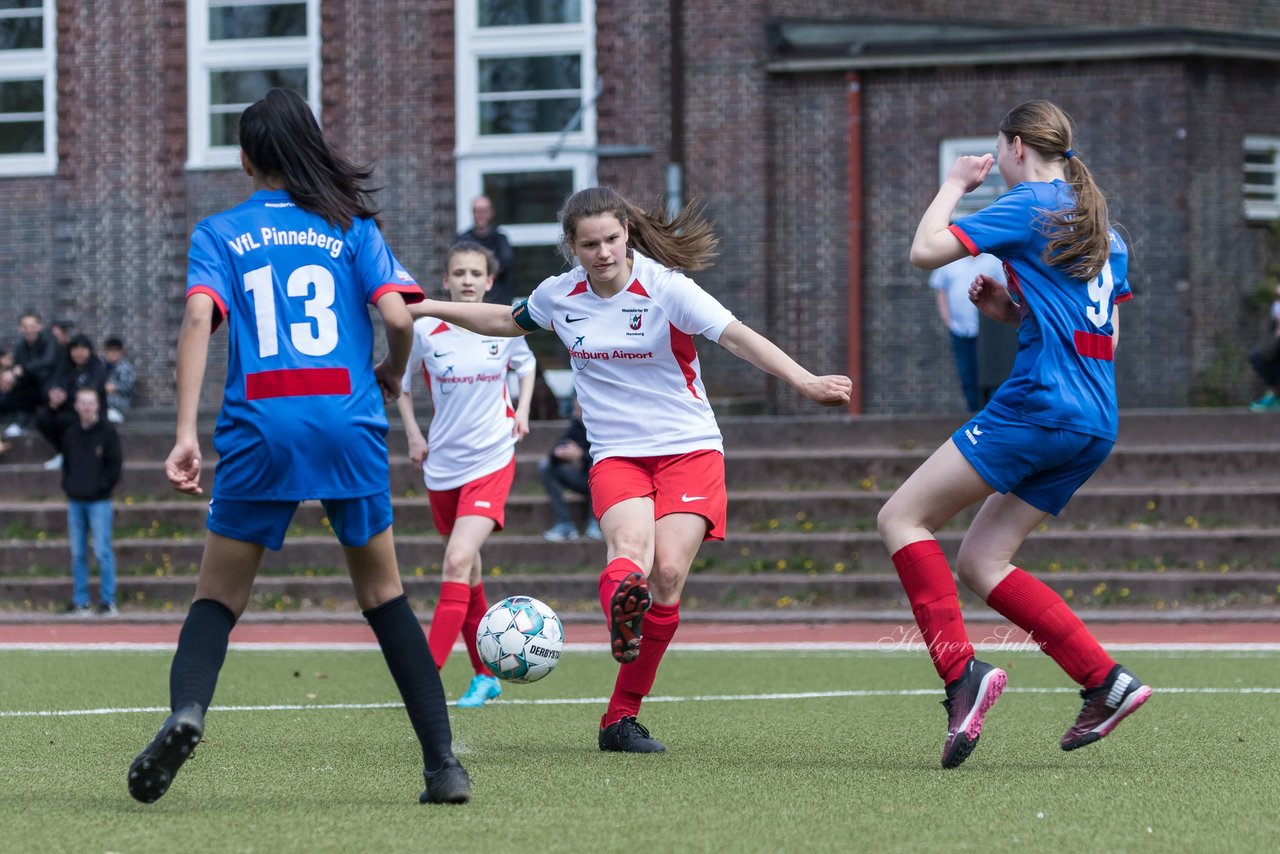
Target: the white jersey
(635, 368)
(470, 433)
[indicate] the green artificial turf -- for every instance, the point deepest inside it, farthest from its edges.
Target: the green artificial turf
(744, 771)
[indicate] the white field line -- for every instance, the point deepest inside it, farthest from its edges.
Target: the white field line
(580, 701)
(887, 645)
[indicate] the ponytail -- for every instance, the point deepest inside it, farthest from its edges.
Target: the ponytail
(282, 139)
(1079, 239)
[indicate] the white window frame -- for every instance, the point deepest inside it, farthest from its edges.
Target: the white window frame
(1258, 210)
(477, 155)
(958, 146)
(204, 57)
(470, 183)
(38, 64)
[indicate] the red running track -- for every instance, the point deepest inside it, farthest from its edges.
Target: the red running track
(105, 631)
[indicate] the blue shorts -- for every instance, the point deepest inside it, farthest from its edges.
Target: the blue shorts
(1044, 466)
(354, 520)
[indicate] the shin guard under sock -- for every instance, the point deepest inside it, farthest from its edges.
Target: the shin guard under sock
(409, 659)
(202, 647)
(935, 602)
(447, 620)
(1041, 613)
(635, 680)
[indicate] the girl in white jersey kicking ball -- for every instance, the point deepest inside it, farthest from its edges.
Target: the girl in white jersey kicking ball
(470, 453)
(628, 315)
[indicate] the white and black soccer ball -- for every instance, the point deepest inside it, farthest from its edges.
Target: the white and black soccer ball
(520, 639)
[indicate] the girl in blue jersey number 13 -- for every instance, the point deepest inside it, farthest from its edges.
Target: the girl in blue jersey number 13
(292, 271)
(1046, 430)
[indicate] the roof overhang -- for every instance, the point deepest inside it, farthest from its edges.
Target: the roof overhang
(813, 46)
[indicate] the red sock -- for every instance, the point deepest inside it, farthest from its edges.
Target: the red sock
(931, 590)
(618, 569)
(1037, 610)
(475, 610)
(446, 622)
(635, 680)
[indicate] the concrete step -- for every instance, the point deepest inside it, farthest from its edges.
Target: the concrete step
(712, 591)
(854, 551)
(789, 469)
(149, 436)
(749, 510)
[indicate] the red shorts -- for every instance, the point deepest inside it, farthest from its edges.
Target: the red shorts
(681, 483)
(485, 496)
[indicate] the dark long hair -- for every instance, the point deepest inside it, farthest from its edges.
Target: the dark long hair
(1078, 238)
(283, 141)
(685, 242)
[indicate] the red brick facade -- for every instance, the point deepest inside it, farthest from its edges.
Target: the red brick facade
(104, 240)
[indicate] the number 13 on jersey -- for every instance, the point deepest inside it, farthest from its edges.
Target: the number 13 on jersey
(316, 337)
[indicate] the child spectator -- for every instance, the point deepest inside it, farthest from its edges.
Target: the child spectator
(121, 377)
(90, 471)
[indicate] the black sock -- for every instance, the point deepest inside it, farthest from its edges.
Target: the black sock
(202, 647)
(404, 646)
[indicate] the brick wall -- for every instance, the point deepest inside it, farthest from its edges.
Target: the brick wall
(104, 241)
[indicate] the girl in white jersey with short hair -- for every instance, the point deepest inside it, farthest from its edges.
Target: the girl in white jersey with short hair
(469, 454)
(628, 316)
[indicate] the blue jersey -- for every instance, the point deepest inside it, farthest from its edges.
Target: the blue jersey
(1063, 375)
(302, 416)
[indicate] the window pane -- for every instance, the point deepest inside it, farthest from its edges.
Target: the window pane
(525, 198)
(519, 13)
(8, 5)
(526, 73)
(533, 264)
(549, 115)
(22, 137)
(258, 22)
(230, 92)
(21, 33)
(22, 96)
(245, 87)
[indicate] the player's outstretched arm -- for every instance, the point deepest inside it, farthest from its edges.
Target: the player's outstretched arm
(934, 245)
(745, 343)
(182, 467)
(480, 317)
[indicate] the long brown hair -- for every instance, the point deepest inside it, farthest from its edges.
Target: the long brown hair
(1078, 237)
(283, 140)
(684, 242)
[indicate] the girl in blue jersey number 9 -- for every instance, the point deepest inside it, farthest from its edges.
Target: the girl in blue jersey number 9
(627, 314)
(291, 271)
(1046, 430)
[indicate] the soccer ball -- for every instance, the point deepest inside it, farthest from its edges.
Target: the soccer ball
(520, 639)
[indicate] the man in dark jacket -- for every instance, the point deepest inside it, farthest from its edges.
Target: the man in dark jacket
(23, 386)
(486, 232)
(90, 471)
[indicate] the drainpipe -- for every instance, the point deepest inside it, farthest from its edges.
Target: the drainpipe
(675, 158)
(854, 226)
